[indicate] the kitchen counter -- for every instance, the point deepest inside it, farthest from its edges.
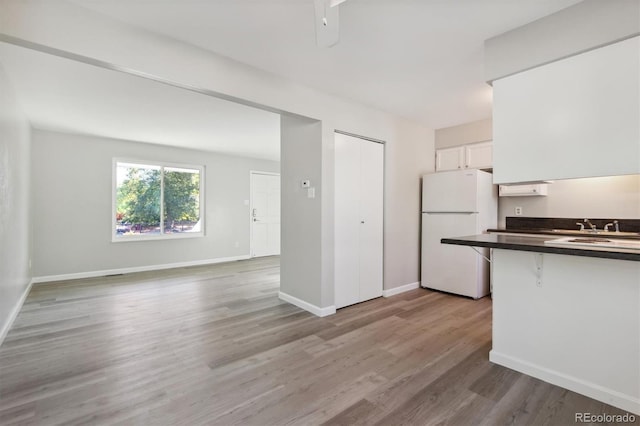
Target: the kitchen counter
(566, 314)
(568, 232)
(536, 243)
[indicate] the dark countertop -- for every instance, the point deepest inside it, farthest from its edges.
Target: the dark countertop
(537, 244)
(567, 233)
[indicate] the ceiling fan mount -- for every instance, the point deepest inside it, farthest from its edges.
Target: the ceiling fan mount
(327, 22)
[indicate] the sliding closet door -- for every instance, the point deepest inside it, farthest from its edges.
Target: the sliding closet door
(359, 183)
(371, 212)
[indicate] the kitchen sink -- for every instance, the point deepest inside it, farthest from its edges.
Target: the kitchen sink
(597, 241)
(607, 234)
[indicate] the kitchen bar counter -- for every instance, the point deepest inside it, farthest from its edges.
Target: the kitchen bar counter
(536, 243)
(569, 233)
(566, 314)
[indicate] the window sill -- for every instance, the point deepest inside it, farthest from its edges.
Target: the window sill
(155, 237)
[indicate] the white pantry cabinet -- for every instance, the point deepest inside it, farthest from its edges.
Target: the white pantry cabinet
(358, 220)
(471, 156)
(573, 118)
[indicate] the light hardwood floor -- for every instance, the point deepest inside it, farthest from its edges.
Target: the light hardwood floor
(215, 345)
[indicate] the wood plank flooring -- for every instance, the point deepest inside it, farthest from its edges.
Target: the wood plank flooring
(214, 345)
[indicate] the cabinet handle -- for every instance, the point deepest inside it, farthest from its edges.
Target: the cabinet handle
(362, 221)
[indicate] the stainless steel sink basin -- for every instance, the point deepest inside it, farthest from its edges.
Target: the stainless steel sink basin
(597, 241)
(599, 233)
(589, 240)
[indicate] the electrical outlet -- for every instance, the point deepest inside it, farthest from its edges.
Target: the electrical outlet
(518, 211)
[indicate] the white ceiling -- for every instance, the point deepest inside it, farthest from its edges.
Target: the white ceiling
(421, 59)
(64, 95)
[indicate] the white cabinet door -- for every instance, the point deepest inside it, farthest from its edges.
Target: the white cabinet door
(478, 155)
(449, 159)
(573, 118)
(358, 226)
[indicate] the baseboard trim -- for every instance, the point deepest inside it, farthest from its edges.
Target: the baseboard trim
(102, 273)
(403, 288)
(592, 390)
(14, 313)
(316, 310)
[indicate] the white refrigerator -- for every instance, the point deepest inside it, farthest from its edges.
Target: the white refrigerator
(456, 204)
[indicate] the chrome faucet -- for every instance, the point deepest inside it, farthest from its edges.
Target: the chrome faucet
(581, 225)
(593, 227)
(615, 223)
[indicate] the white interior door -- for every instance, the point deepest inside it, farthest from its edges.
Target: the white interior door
(346, 222)
(359, 183)
(265, 214)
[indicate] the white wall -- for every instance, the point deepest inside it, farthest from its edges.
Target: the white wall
(301, 250)
(404, 165)
(72, 180)
(409, 146)
(15, 204)
(615, 197)
(475, 131)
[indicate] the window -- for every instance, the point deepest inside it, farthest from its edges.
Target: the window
(157, 201)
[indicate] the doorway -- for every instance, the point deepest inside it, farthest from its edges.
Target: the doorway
(265, 213)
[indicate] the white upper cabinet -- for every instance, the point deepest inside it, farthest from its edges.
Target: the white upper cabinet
(449, 159)
(472, 156)
(577, 117)
(478, 155)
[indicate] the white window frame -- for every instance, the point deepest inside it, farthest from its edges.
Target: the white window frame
(161, 235)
